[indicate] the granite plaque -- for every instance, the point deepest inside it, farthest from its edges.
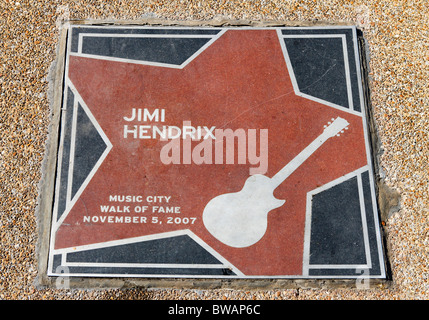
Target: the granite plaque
(214, 153)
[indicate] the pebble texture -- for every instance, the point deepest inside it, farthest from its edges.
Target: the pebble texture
(397, 39)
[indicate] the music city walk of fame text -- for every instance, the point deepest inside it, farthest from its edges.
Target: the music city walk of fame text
(157, 206)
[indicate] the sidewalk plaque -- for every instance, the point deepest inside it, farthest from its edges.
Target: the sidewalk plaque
(214, 152)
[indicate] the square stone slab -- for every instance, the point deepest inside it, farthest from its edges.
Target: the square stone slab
(214, 153)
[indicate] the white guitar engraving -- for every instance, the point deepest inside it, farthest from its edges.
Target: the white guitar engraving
(239, 219)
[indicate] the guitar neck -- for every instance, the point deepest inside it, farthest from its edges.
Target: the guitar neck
(287, 170)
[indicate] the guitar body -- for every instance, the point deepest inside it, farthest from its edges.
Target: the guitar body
(239, 219)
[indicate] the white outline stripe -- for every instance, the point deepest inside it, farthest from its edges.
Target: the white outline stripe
(127, 35)
(143, 265)
(298, 92)
(369, 159)
(60, 158)
(347, 73)
(71, 154)
(212, 38)
(64, 103)
(224, 263)
(338, 266)
(109, 146)
(119, 242)
(123, 60)
(364, 222)
(307, 231)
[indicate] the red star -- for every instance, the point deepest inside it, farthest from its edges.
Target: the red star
(240, 81)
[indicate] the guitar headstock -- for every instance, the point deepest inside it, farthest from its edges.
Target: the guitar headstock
(336, 126)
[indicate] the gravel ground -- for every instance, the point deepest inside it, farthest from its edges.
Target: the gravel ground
(398, 43)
